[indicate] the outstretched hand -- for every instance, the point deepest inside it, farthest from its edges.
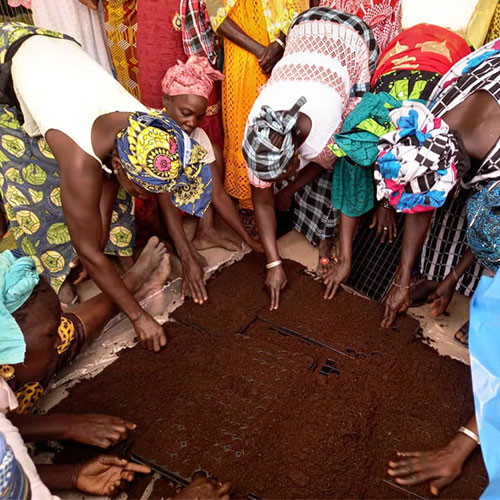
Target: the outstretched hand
(106, 474)
(275, 282)
(99, 430)
(441, 467)
(398, 301)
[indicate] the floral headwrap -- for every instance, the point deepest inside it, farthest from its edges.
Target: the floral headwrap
(483, 225)
(196, 76)
(264, 159)
(420, 161)
(157, 155)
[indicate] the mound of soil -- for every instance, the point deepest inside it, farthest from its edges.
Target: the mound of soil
(310, 401)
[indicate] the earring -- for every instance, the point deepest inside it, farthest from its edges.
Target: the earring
(7, 372)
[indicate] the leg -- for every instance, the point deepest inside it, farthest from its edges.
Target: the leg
(145, 277)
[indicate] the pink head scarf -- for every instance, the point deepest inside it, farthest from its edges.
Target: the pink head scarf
(196, 76)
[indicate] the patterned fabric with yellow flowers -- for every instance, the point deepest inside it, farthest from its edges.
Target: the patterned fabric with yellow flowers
(30, 193)
(72, 338)
(157, 155)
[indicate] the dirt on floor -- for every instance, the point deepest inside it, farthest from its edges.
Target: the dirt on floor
(310, 401)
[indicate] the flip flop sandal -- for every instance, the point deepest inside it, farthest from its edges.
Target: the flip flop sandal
(464, 331)
(420, 291)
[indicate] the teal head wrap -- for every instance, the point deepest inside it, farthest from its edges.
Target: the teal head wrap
(18, 278)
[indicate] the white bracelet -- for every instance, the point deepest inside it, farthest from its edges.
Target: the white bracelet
(280, 42)
(470, 434)
(274, 263)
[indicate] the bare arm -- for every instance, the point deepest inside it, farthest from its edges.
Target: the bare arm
(230, 30)
(398, 298)
(192, 272)
(263, 200)
(81, 188)
(340, 271)
(110, 188)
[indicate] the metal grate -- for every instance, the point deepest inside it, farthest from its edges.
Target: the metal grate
(20, 14)
(374, 264)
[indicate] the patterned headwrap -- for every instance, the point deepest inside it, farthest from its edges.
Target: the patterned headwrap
(157, 155)
(420, 161)
(264, 159)
(483, 229)
(196, 77)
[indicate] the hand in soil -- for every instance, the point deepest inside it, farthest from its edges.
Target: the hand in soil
(204, 488)
(106, 475)
(441, 297)
(384, 218)
(397, 301)
(335, 275)
(441, 466)
(192, 278)
(255, 244)
(98, 430)
(275, 282)
(150, 333)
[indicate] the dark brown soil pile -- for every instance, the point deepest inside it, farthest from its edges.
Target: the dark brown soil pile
(253, 397)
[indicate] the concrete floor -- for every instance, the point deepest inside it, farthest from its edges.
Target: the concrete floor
(119, 332)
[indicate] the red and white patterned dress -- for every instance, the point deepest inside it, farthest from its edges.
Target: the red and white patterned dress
(323, 60)
(383, 16)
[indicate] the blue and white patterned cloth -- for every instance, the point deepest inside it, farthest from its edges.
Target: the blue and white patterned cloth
(14, 484)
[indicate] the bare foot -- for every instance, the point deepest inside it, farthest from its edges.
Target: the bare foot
(462, 334)
(150, 258)
(125, 263)
(325, 256)
(212, 239)
(156, 279)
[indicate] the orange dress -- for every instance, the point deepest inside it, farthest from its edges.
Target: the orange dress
(239, 91)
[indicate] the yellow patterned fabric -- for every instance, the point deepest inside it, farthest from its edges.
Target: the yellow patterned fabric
(27, 397)
(494, 29)
(121, 30)
(278, 14)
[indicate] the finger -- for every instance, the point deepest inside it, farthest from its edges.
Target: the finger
(130, 425)
(163, 339)
(224, 489)
(156, 345)
(383, 236)
(379, 230)
(391, 233)
(272, 292)
(102, 443)
(409, 453)
(115, 436)
(277, 299)
(389, 317)
(112, 460)
(133, 467)
(374, 222)
(183, 289)
(417, 478)
(436, 485)
(333, 291)
(127, 476)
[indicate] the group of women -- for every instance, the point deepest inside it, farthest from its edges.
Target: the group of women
(329, 113)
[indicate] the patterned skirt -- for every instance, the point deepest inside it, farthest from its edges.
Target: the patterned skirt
(30, 192)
